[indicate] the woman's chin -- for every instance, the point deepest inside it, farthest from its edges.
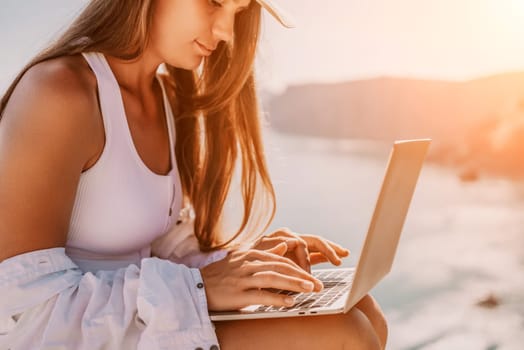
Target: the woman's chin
(191, 63)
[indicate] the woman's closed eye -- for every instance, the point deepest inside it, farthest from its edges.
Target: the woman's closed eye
(215, 3)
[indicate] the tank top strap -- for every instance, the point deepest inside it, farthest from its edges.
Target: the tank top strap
(108, 97)
(112, 107)
(118, 136)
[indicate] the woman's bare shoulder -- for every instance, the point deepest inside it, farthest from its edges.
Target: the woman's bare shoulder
(65, 79)
(56, 97)
(45, 140)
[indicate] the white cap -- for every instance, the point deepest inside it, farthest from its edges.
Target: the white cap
(277, 12)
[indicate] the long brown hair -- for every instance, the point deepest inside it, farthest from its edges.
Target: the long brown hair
(217, 112)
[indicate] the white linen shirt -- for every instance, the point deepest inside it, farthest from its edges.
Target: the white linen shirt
(47, 302)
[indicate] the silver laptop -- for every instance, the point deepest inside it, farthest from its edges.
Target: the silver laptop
(344, 287)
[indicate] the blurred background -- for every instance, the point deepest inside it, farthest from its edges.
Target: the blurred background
(336, 91)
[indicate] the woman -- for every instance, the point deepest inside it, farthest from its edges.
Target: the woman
(89, 178)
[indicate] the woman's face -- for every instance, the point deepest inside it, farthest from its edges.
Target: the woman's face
(184, 31)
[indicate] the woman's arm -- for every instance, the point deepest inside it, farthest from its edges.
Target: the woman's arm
(46, 137)
(45, 141)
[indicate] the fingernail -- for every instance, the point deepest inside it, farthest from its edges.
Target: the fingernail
(320, 285)
(289, 300)
(307, 285)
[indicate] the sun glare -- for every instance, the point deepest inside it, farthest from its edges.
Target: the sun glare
(515, 8)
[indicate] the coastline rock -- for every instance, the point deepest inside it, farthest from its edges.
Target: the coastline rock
(490, 301)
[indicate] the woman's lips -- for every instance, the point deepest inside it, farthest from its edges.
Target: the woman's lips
(203, 49)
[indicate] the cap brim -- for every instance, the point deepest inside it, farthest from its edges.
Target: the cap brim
(280, 15)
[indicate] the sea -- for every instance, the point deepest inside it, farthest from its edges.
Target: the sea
(457, 281)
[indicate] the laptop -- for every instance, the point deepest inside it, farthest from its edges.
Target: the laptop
(344, 287)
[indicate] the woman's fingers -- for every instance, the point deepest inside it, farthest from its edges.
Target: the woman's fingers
(261, 255)
(341, 251)
(283, 232)
(275, 280)
(260, 296)
(279, 249)
(331, 250)
(317, 258)
(312, 243)
(319, 245)
(298, 247)
(285, 270)
(267, 243)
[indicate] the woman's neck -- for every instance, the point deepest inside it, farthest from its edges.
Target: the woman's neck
(135, 76)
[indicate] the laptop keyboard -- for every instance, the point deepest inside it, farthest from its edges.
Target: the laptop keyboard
(336, 283)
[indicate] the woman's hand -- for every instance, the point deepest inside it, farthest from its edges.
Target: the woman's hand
(243, 278)
(305, 250)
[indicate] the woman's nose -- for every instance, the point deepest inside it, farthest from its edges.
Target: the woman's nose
(224, 26)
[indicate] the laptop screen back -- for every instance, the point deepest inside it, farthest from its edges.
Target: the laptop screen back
(378, 252)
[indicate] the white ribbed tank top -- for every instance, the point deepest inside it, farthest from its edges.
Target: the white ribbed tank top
(121, 206)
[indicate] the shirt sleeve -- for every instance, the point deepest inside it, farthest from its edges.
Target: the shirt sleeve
(48, 302)
(180, 245)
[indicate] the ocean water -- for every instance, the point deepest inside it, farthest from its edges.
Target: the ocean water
(461, 243)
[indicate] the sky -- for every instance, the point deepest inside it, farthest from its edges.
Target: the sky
(335, 40)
